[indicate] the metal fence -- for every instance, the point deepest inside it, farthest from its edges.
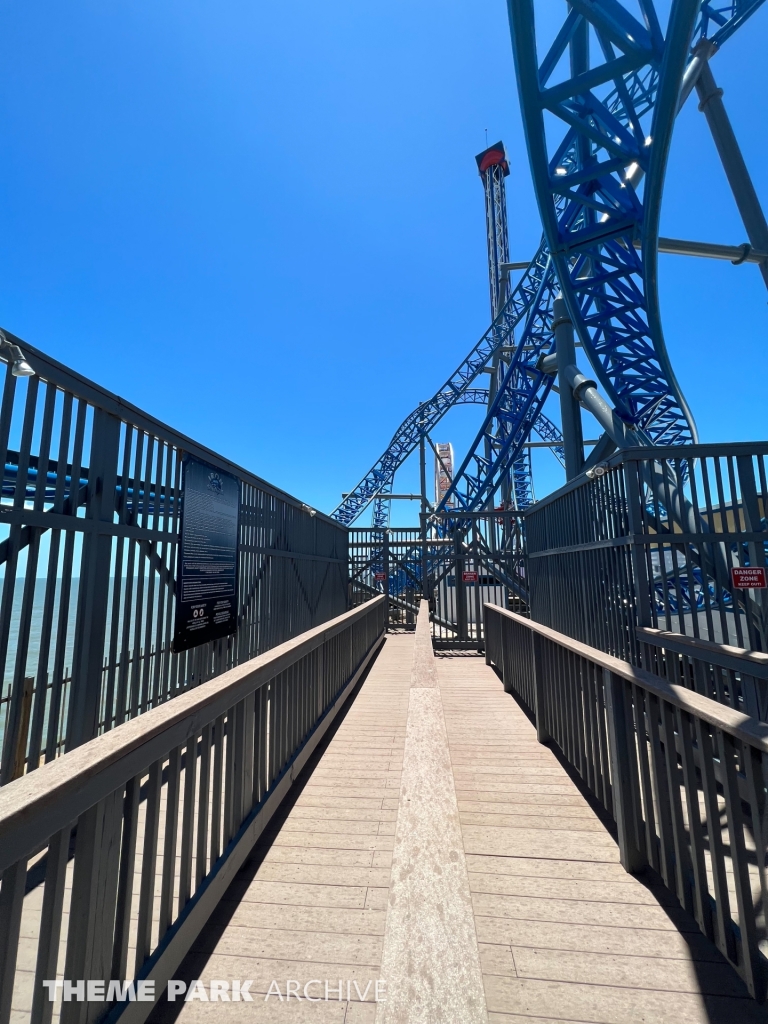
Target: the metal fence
(456, 561)
(651, 541)
(387, 562)
(681, 775)
(89, 519)
(725, 674)
(163, 810)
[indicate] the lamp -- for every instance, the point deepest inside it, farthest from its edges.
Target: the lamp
(12, 354)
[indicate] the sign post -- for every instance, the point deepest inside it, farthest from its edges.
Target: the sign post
(206, 573)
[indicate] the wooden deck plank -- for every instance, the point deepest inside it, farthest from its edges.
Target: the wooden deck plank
(565, 934)
(312, 904)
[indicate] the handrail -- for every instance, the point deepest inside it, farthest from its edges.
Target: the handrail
(740, 726)
(729, 675)
(219, 760)
(675, 770)
(36, 805)
(92, 491)
(737, 659)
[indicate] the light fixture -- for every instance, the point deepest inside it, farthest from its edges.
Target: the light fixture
(21, 367)
(308, 508)
(12, 354)
(560, 171)
(597, 471)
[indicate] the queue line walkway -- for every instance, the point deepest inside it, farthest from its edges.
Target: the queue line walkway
(436, 848)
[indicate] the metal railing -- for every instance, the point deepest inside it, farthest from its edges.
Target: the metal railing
(166, 807)
(682, 776)
(89, 517)
(651, 541)
(728, 675)
(457, 561)
(387, 562)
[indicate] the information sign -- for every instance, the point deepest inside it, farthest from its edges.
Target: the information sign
(745, 577)
(469, 576)
(206, 571)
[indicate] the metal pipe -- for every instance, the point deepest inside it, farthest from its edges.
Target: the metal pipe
(711, 104)
(570, 413)
(704, 50)
(735, 253)
(396, 497)
(586, 393)
(423, 467)
(554, 444)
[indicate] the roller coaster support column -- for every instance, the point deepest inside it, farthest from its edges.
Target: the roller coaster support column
(424, 507)
(711, 104)
(570, 411)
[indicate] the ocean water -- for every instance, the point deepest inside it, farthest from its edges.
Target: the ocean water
(31, 657)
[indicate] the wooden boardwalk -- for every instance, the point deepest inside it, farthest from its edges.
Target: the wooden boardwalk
(562, 933)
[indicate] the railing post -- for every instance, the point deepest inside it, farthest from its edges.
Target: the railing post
(625, 789)
(425, 588)
(539, 687)
(385, 559)
(93, 592)
(640, 580)
(11, 906)
(490, 636)
(755, 600)
(458, 589)
(479, 624)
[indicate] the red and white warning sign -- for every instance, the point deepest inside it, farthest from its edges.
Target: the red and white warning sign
(469, 576)
(380, 577)
(745, 577)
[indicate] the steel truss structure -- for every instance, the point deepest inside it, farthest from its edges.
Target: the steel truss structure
(598, 112)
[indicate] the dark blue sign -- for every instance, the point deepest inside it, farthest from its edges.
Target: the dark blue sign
(206, 573)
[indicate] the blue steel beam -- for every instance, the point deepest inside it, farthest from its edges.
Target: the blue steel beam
(472, 396)
(543, 426)
(615, 121)
(516, 407)
(406, 438)
(592, 210)
(614, 330)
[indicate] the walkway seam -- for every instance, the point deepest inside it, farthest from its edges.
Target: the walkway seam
(431, 960)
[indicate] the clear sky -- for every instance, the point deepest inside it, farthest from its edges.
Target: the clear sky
(262, 222)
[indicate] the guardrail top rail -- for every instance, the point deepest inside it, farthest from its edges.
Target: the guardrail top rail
(729, 675)
(682, 776)
(89, 518)
(199, 776)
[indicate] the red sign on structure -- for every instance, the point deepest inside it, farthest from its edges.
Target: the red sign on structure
(469, 576)
(745, 577)
(380, 577)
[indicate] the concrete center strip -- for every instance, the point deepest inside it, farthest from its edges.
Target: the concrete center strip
(431, 961)
(424, 672)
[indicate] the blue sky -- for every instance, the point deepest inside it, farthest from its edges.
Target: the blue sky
(263, 223)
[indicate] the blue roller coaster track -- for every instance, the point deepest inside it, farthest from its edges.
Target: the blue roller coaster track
(598, 111)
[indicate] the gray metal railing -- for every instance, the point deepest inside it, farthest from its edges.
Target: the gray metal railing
(89, 517)
(166, 807)
(728, 675)
(457, 561)
(651, 541)
(682, 776)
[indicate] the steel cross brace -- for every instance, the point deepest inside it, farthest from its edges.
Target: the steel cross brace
(592, 210)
